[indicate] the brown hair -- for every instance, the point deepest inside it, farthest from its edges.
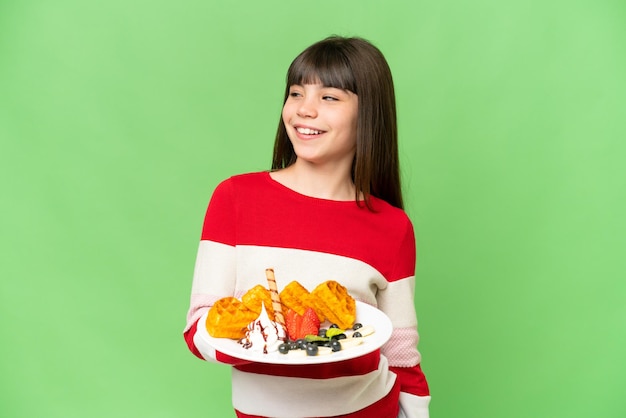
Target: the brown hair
(356, 65)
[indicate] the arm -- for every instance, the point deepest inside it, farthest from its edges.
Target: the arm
(397, 301)
(212, 281)
(214, 272)
(414, 394)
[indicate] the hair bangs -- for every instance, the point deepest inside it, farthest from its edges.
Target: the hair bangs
(326, 64)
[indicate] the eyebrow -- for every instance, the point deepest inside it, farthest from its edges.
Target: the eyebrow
(324, 86)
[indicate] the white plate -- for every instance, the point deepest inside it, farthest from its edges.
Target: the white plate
(365, 314)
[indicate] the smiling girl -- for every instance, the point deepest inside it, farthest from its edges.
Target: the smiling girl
(330, 209)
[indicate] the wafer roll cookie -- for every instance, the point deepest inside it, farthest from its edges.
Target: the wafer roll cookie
(278, 312)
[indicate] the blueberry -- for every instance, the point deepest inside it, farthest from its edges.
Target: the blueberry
(334, 326)
(338, 337)
(335, 345)
(357, 326)
(322, 332)
(283, 348)
(356, 335)
(311, 349)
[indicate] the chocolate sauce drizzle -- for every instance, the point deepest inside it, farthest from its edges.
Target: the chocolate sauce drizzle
(245, 341)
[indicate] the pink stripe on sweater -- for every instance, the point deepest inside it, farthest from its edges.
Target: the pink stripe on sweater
(401, 349)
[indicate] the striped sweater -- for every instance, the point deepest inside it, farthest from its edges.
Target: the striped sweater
(252, 223)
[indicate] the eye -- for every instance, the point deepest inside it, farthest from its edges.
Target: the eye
(333, 94)
(295, 91)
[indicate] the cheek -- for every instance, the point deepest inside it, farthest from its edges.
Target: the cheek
(286, 116)
(286, 113)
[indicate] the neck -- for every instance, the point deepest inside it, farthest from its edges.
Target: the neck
(332, 183)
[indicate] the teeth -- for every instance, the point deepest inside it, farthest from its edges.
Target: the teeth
(307, 131)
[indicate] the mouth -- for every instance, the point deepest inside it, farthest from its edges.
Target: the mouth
(308, 131)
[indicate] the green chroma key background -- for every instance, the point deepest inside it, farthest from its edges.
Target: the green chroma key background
(118, 118)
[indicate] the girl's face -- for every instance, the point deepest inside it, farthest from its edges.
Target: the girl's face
(321, 123)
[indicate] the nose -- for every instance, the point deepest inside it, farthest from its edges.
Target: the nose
(307, 108)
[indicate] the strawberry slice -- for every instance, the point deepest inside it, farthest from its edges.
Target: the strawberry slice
(310, 323)
(291, 323)
(299, 326)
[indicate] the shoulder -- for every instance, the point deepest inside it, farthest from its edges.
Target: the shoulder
(241, 183)
(401, 240)
(388, 221)
(245, 179)
(244, 190)
(394, 217)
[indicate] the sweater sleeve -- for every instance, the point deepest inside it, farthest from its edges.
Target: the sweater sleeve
(215, 272)
(397, 301)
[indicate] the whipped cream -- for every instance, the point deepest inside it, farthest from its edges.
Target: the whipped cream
(263, 334)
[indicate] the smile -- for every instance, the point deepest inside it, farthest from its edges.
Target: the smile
(308, 131)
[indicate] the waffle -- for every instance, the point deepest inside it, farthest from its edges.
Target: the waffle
(333, 301)
(255, 297)
(228, 318)
(295, 297)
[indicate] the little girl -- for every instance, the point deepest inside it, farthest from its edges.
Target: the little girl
(330, 209)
